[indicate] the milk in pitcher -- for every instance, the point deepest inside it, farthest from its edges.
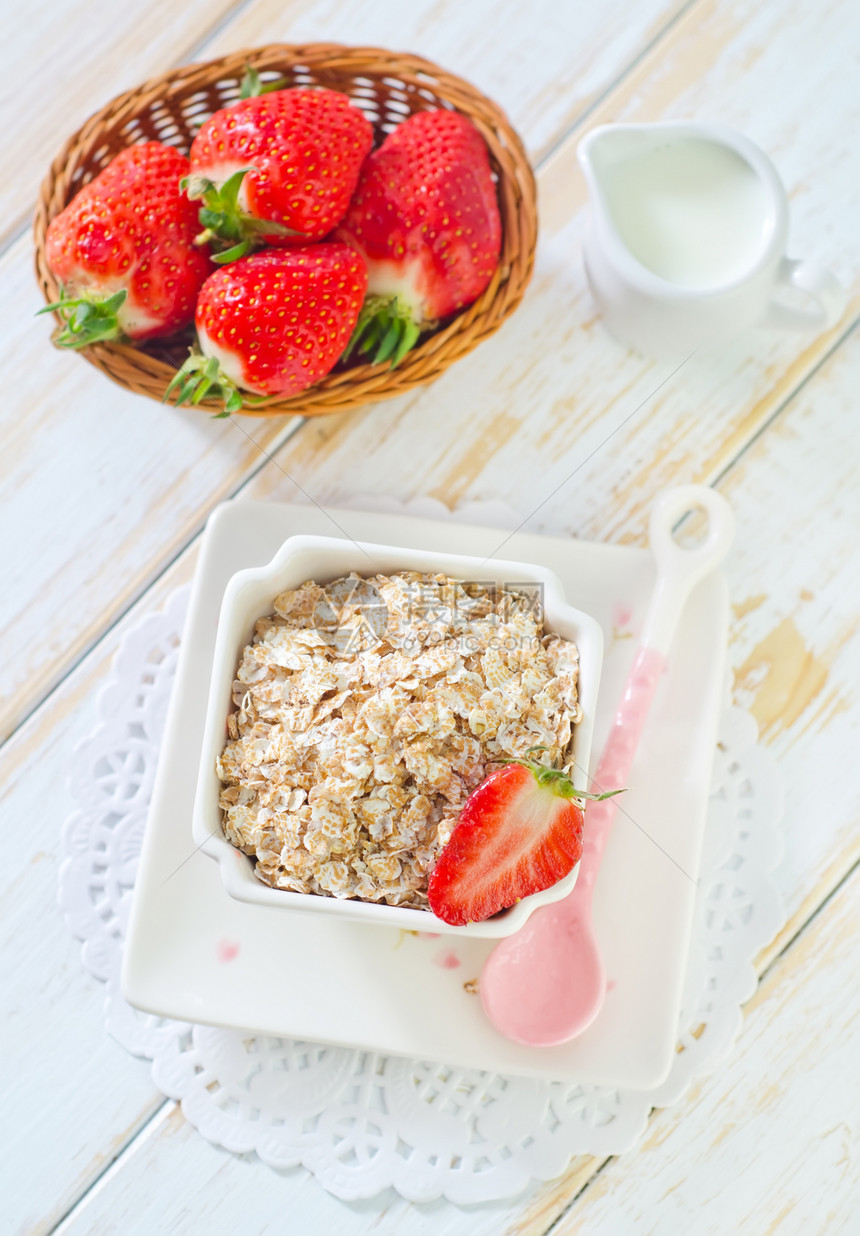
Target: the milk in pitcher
(690, 210)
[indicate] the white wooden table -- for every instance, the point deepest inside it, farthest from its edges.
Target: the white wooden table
(105, 493)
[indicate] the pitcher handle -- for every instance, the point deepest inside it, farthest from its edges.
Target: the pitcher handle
(818, 283)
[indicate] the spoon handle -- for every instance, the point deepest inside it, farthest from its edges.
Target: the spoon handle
(546, 984)
(616, 761)
(679, 569)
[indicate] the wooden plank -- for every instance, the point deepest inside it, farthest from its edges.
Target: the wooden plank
(63, 61)
(814, 434)
(545, 63)
(134, 480)
(613, 513)
(73, 1098)
(795, 656)
(795, 580)
(809, 727)
(256, 1199)
(768, 1143)
(550, 412)
(102, 489)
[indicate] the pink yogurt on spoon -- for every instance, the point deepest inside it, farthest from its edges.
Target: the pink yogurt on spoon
(546, 984)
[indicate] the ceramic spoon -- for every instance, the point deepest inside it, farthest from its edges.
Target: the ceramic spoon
(546, 983)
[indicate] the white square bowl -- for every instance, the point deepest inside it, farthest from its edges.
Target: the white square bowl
(250, 594)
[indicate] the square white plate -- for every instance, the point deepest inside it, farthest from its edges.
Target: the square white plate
(196, 954)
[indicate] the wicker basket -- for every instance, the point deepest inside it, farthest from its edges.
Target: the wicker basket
(388, 87)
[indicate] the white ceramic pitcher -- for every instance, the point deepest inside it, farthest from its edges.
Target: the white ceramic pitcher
(686, 243)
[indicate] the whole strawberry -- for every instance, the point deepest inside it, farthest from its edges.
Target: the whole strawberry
(279, 168)
(426, 220)
(272, 323)
(519, 832)
(123, 251)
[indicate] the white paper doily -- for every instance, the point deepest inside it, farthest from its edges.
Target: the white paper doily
(362, 1122)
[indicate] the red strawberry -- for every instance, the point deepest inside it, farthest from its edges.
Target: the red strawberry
(123, 250)
(278, 168)
(273, 323)
(426, 219)
(519, 832)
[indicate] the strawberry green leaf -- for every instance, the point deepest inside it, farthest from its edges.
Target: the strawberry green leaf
(229, 191)
(251, 86)
(556, 779)
(210, 218)
(408, 339)
(266, 227)
(232, 254)
(225, 225)
(373, 335)
(390, 341)
(385, 329)
(200, 378)
(88, 319)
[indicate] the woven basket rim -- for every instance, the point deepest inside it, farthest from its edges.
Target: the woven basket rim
(147, 374)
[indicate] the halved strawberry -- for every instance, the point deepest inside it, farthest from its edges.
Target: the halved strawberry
(519, 832)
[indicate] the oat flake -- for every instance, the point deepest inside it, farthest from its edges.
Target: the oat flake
(366, 713)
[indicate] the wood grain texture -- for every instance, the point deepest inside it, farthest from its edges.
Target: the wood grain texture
(103, 490)
(59, 1071)
(134, 480)
(545, 63)
(795, 653)
(60, 62)
(794, 576)
(551, 413)
(813, 432)
(72, 1097)
(770, 1142)
(191, 1197)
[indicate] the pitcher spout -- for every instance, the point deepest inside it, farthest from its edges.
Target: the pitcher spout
(610, 144)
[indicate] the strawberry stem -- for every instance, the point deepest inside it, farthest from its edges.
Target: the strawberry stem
(230, 231)
(233, 254)
(251, 86)
(385, 328)
(557, 779)
(201, 377)
(88, 319)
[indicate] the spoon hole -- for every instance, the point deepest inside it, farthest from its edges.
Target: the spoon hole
(691, 530)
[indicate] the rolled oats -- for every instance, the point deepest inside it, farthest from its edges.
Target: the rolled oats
(367, 711)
